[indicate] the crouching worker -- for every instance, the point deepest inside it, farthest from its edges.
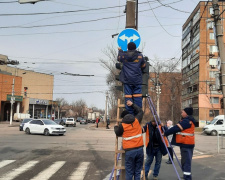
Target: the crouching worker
(132, 141)
(183, 136)
(155, 147)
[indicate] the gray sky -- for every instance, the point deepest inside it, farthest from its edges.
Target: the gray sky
(77, 47)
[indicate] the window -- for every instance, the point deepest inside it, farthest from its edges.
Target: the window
(212, 74)
(34, 122)
(219, 122)
(214, 100)
(211, 36)
(40, 122)
(210, 25)
(211, 114)
(211, 11)
(213, 49)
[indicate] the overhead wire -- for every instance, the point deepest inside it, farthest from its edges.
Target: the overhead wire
(159, 21)
(172, 7)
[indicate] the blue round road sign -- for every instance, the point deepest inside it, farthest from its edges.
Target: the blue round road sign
(126, 36)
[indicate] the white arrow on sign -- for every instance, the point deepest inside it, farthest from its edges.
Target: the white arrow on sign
(124, 37)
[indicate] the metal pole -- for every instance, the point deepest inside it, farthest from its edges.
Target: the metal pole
(12, 101)
(220, 43)
(218, 143)
(106, 102)
(130, 14)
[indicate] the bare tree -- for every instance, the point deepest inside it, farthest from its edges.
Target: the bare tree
(79, 108)
(109, 64)
(61, 103)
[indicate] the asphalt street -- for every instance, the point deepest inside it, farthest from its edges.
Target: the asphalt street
(87, 153)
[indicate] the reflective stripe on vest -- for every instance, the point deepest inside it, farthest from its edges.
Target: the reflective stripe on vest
(132, 137)
(186, 136)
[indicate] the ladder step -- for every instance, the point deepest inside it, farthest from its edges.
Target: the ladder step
(120, 167)
(121, 105)
(120, 151)
(119, 120)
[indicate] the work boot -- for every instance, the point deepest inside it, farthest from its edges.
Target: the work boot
(168, 162)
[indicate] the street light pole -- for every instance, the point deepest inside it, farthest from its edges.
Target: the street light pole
(12, 101)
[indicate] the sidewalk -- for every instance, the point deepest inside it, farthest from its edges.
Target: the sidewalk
(4, 124)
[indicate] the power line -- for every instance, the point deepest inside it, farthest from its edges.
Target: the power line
(172, 7)
(62, 24)
(159, 21)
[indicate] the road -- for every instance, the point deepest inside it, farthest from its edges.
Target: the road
(87, 153)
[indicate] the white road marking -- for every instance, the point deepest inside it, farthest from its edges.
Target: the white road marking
(47, 173)
(6, 162)
(80, 172)
(16, 172)
(198, 152)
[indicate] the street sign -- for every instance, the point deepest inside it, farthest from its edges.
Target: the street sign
(126, 36)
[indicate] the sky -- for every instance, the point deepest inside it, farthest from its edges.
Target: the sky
(74, 42)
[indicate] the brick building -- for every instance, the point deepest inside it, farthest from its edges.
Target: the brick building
(170, 97)
(36, 90)
(199, 63)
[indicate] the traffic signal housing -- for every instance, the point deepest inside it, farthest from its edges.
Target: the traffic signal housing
(117, 77)
(145, 77)
(25, 91)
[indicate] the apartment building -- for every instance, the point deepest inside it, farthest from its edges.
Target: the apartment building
(199, 63)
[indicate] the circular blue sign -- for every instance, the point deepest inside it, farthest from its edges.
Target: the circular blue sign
(126, 36)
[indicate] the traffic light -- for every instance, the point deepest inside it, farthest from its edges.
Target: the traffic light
(145, 77)
(117, 77)
(25, 91)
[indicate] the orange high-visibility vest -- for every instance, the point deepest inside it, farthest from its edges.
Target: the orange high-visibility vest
(147, 137)
(186, 136)
(132, 135)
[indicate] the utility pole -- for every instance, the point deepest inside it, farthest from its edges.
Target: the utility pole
(220, 44)
(106, 105)
(12, 101)
(130, 14)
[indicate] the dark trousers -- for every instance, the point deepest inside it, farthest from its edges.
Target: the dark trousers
(97, 125)
(186, 157)
(171, 153)
(133, 93)
(134, 163)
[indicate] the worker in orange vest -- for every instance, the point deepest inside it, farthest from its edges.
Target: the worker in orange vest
(132, 141)
(155, 147)
(183, 136)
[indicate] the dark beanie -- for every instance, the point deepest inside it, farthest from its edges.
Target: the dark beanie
(124, 113)
(189, 111)
(131, 46)
(129, 117)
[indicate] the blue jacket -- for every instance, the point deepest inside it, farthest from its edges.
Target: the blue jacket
(149, 148)
(185, 123)
(133, 64)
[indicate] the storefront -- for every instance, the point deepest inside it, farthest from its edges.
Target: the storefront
(39, 108)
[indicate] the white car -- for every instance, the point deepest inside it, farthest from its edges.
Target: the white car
(43, 126)
(216, 126)
(70, 122)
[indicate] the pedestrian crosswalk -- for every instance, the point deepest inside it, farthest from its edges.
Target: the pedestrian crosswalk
(78, 173)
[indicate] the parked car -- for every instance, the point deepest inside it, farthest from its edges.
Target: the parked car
(83, 121)
(63, 122)
(23, 122)
(79, 118)
(217, 125)
(60, 121)
(70, 122)
(43, 126)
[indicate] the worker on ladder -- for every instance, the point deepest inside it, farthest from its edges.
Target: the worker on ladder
(131, 74)
(132, 141)
(184, 137)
